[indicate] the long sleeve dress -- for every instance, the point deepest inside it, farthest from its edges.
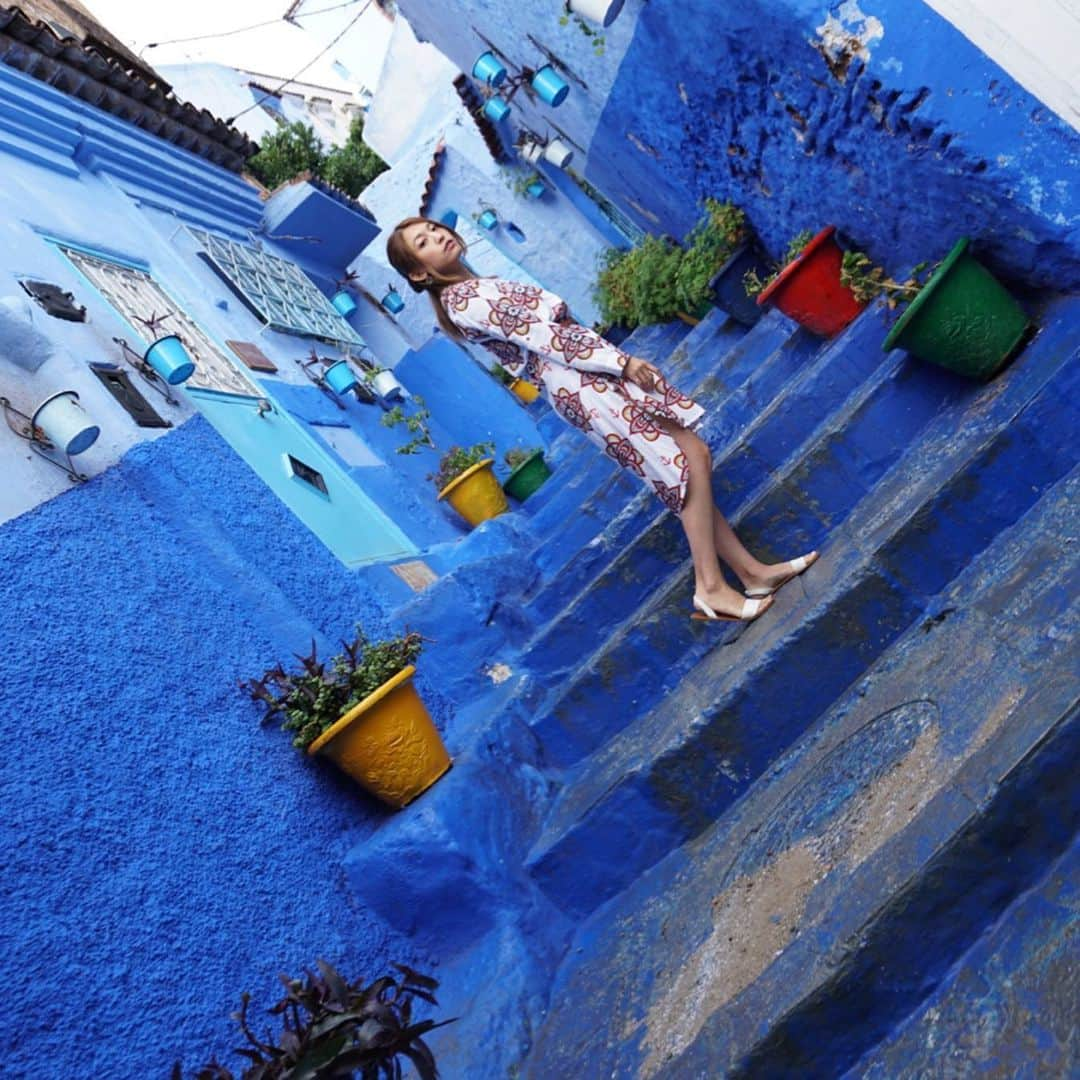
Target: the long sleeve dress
(580, 376)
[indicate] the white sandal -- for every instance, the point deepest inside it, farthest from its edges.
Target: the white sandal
(751, 609)
(795, 568)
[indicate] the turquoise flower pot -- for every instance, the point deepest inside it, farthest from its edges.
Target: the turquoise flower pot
(392, 302)
(168, 357)
(496, 109)
(536, 189)
(343, 303)
(340, 377)
(488, 220)
(449, 219)
(489, 69)
(550, 85)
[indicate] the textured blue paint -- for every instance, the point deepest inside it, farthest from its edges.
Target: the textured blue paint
(162, 848)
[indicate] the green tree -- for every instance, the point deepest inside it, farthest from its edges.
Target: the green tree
(287, 152)
(353, 166)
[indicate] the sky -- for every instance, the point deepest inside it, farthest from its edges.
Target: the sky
(279, 49)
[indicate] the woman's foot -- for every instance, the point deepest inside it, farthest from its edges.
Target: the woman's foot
(776, 576)
(725, 604)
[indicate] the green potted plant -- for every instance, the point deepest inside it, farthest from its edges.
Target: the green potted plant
(962, 318)
(361, 710)
(528, 471)
(466, 480)
(333, 1028)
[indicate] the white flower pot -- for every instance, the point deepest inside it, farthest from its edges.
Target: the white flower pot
(558, 153)
(532, 152)
(385, 384)
(65, 423)
(604, 12)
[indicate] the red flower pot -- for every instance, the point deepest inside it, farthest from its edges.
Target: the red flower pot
(808, 290)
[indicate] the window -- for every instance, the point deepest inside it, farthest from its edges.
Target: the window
(280, 293)
(306, 474)
(136, 295)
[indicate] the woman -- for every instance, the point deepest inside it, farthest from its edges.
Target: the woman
(622, 404)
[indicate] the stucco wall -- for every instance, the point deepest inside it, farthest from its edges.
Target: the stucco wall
(809, 113)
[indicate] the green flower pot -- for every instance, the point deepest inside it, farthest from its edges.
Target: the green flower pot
(527, 477)
(963, 319)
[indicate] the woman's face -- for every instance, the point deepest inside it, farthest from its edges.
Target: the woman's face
(434, 245)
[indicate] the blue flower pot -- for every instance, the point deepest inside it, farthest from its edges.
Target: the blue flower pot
(168, 357)
(536, 189)
(65, 423)
(550, 85)
(343, 303)
(392, 302)
(449, 219)
(489, 69)
(340, 377)
(496, 109)
(488, 220)
(727, 287)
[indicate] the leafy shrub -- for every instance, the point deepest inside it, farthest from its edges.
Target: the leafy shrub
(316, 697)
(755, 284)
(517, 456)
(457, 459)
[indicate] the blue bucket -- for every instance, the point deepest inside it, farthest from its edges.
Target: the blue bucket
(488, 220)
(168, 357)
(488, 69)
(536, 189)
(392, 302)
(551, 86)
(727, 287)
(343, 303)
(496, 109)
(340, 377)
(449, 219)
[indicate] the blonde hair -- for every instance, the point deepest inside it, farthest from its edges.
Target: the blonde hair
(405, 262)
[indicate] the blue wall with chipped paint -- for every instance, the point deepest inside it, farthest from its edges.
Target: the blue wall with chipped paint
(904, 153)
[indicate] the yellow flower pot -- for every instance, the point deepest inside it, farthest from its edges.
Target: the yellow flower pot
(525, 390)
(476, 494)
(388, 743)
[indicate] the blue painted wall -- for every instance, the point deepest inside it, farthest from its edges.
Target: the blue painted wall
(164, 852)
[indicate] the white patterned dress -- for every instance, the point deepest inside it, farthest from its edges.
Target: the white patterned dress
(580, 375)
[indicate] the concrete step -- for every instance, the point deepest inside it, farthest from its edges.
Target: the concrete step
(674, 771)
(750, 441)
(905, 428)
(825, 905)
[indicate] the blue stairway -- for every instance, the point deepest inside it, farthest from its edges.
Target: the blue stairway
(773, 843)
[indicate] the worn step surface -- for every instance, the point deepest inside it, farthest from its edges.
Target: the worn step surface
(908, 428)
(824, 906)
(678, 768)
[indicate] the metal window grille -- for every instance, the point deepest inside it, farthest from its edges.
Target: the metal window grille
(136, 295)
(283, 295)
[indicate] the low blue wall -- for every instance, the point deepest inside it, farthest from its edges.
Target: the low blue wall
(166, 853)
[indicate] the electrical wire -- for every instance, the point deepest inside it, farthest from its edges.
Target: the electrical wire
(244, 29)
(292, 78)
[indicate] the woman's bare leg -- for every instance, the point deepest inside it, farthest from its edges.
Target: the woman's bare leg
(697, 519)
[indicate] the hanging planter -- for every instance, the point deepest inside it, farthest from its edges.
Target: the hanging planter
(550, 86)
(528, 474)
(535, 189)
(729, 292)
(809, 291)
(495, 109)
(65, 423)
(343, 303)
(385, 384)
(525, 391)
(388, 743)
(488, 220)
(489, 69)
(168, 357)
(558, 153)
(392, 301)
(340, 377)
(604, 12)
(963, 319)
(532, 152)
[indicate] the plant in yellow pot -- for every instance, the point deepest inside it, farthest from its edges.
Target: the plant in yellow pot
(466, 480)
(361, 710)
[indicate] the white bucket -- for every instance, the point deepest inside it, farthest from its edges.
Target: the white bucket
(65, 423)
(604, 12)
(558, 153)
